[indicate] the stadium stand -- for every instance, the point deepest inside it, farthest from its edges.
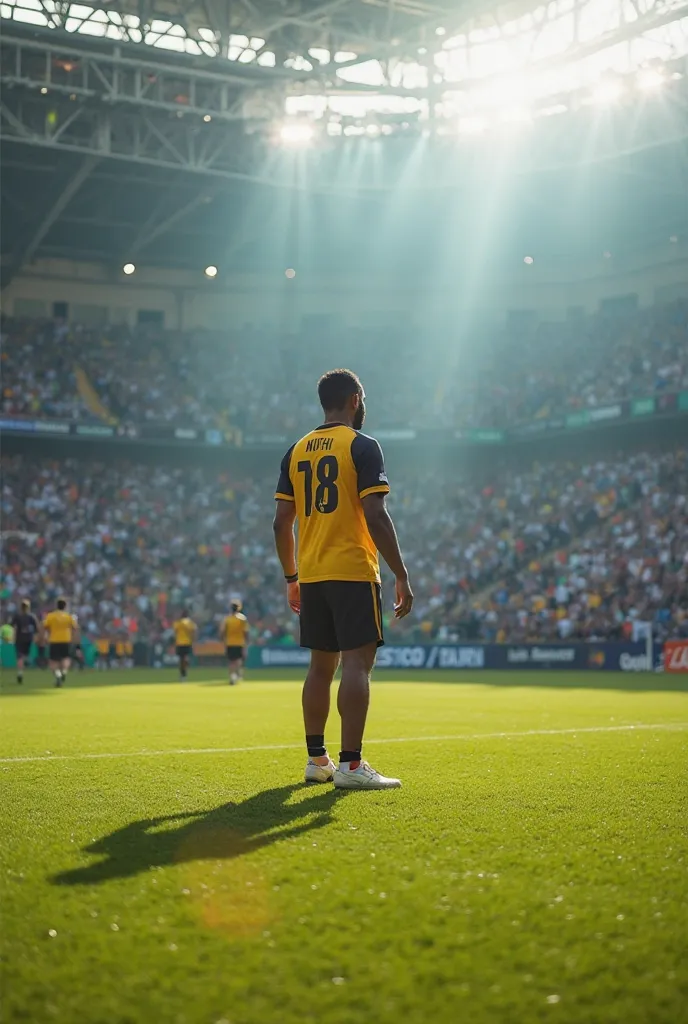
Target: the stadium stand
(144, 374)
(38, 377)
(562, 550)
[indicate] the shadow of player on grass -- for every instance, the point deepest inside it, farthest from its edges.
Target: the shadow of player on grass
(225, 832)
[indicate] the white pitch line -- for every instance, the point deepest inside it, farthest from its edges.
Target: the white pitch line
(663, 726)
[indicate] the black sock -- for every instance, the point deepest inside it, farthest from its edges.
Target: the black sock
(316, 746)
(349, 755)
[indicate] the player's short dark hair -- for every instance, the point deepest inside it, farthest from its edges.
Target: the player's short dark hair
(236, 606)
(26, 604)
(336, 386)
(185, 613)
(61, 603)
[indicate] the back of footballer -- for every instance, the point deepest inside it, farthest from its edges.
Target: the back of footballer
(334, 482)
(234, 631)
(185, 630)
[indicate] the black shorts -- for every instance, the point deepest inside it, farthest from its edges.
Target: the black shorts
(58, 652)
(235, 653)
(183, 650)
(22, 647)
(341, 615)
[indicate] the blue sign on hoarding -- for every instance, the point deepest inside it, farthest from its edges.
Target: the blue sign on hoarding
(432, 656)
(612, 656)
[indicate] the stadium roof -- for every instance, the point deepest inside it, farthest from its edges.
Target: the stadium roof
(141, 130)
(379, 28)
(56, 205)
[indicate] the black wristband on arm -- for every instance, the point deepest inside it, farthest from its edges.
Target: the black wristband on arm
(292, 579)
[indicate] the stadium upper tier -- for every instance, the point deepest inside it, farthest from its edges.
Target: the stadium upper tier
(257, 381)
(561, 550)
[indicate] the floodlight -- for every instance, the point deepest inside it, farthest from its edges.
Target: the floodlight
(650, 79)
(517, 115)
(471, 125)
(296, 133)
(607, 92)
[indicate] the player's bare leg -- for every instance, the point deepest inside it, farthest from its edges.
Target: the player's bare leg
(353, 697)
(20, 668)
(235, 672)
(315, 701)
(65, 666)
(352, 702)
(56, 669)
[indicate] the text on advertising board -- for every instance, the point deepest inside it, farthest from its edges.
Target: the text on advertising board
(676, 656)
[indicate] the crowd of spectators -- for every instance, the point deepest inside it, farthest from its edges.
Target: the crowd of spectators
(565, 551)
(257, 381)
(38, 379)
(561, 550)
(552, 369)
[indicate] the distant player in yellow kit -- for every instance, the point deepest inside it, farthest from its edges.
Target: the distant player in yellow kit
(184, 634)
(60, 629)
(235, 634)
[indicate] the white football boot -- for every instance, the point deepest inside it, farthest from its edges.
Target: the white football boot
(363, 777)
(320, 772)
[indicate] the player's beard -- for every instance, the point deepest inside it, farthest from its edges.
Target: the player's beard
(359, 416)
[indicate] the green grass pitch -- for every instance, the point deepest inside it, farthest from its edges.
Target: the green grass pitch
(160, 862)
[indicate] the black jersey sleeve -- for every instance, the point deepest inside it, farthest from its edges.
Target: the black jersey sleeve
(285, 489)
(370, 466)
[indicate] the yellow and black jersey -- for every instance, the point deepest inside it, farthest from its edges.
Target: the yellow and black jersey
(184, 630)
(326, 474)
(59, 626)
(236, 630)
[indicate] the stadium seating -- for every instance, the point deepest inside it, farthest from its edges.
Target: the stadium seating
(560, 550)
(257, 381)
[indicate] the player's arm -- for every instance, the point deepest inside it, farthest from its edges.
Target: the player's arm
(76, 630)
(373, 486)
(43, 632)
(283, 529)
(285, 544)
(381, 529)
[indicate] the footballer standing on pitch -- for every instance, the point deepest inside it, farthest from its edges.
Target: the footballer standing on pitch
(26, 630)
(333, 481)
